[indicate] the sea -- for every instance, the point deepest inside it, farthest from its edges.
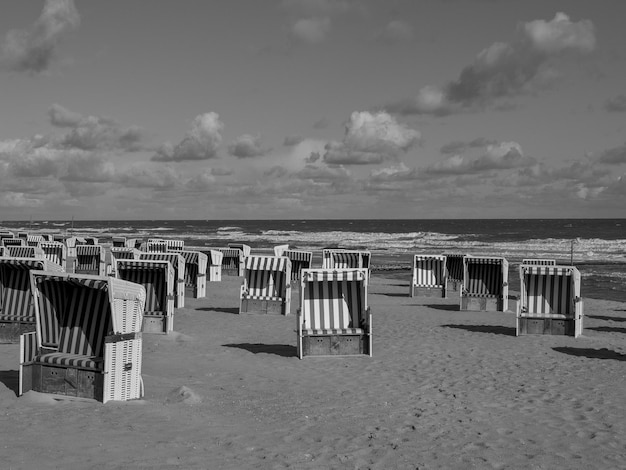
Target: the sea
(597, 247)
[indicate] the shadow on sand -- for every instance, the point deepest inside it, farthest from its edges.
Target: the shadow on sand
(591, 353)
(233, 310)
(607, 329)
(284, 350)
(446, 307)
(495, 329)
(606, 317)
(11, 379)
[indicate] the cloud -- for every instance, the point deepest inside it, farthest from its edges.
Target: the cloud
(371, 138)
(614, 156)
(63, 117)
(395, 31)
(247, 146)
(456, 147)
(145, 176)
(321, 6)
(504, 70)
(33, 50)
(89, 168)
(200, 143)
(315, 173)
(394, 173)
(617, 104)
(292, 140)
(311, 30)
(321, 123)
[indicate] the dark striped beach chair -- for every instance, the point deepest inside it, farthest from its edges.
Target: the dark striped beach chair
(123, 242)
(429, 276)
(121, 252)
(157, 279)
(178, 264)
(299, 260)
(155, 246)
(88, 339)
(8, 242)
(195, 272)
(90, 259)
(17, 314)
(175, 245)
(539, 262)
(266, 285)
(455, 268)
(24, 252)
(334, 318)
(56, 252)
(232, 261)
(23, 235)
(485, 284)
(550, 301)
(1, 250)
(35, 240)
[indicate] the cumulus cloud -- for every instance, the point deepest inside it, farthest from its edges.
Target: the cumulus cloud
(34, 49)
(614, 156)
(292, 140)
(371, 138)
(63, 117)
(316, 173)
(457, 147)
(394, 173)
(247, 146)
(617, 104)
(311, 30)
(505, 70)
(89, 168)
(200, 143)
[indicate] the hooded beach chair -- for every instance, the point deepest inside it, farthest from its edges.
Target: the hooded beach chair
(155, 246)
(299, 260)
(280, 249)
(429, 276)
(22, 235)
(346, 259)
(214, 262)
(121, 252)
(178, 264)
(266, 285)
(241, 246)
(35, 240)
(7, 242)
(539, 262)
(157, 279)
(195, 272)
(550, 301)
(454, 270)
(334, 318)
(24, 252)
(88, 339)
(175, 245)
(485, 284)
(232, 261)
(17, 314)
(123, 242)
(71, 243)
(90, 259)
(56, 252)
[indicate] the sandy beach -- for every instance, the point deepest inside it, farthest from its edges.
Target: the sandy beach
(444, 389)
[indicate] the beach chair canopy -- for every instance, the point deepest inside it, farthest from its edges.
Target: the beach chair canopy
(429, 271)
(485, 276)
(549, 291)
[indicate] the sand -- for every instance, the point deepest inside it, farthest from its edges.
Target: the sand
(444, 390)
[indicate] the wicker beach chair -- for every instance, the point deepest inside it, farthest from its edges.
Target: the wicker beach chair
(280, 249)
(539, 262)
(195, 272)
(90, 259)
(7, 242)
(24, 252)
(455, 268)
(232, 261)
(334, 318)
(17, 315)
(485, 284)
(550, 301)
(35, 240)
(346, 259)
(214, 262)
(299, 260)
(175, 245)
(430, 277)
(88, 340)
(155, 246)
(120, 252)
(157, 279)
(56, 252)
(266, 286)
(178, 264)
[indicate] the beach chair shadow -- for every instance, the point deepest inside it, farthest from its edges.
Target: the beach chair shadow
(284, 350)
(607, 329)
(591, 353)
(446, 307)
(607, 318)
(11, 379)
(495, 329)
(233, 310)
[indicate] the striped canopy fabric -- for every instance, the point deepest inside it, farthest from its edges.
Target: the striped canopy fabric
(123, 252)
(34, 240)
(89, 260)
(484, 276)
(549, 291)
(13, 242)
(153, 276)
(24, 252)
(454, 266)
(175, 245)
(54, 251)
(345, 259)
(156, 246)
(429, 270)
(299, 260)
(266, 277)
(240, 246)
(195, 267)
(539, 262)
(333, 301)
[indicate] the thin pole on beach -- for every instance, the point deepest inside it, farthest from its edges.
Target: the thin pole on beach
(571, 253)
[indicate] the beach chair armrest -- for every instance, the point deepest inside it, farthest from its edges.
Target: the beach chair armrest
(116, 338)
(28, 347)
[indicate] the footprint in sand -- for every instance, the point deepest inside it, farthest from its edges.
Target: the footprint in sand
(183, 394)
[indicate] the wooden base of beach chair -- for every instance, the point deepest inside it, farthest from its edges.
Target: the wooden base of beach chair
(214, 274)
(68, 381)
(482, 304)
(439, 292)
(546, 326)
(10, 331)
(454, 286)
(157, 324)
(230, 272)
(257, 306)
(335, 345)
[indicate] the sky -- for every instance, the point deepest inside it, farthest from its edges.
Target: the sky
(303, 109)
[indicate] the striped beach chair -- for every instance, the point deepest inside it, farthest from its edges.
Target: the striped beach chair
(24, 252)
(178, 264)
(550, 301)
(157, 279)
(175, 245)
(485, 284)
(346, 259)
(280, 249)
(266, 285)
(299, 260)
(121, 252)
(241, 246)
(22, 235)
(214, 262)
(454, 268)
(71, 243)
(155, 246)
(90, 259)
(232, 261)
(88, 339)
(123, 242)
(35, 240)
(539, 262)
(334, 318)
(7, 242)
(195, 272)
(17, 315)
(56, 252)
(429, 276)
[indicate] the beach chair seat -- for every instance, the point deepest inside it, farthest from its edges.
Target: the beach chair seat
(90, 259)
(299, 260)
(266, 287)
(195, 272)
(334, 318)
(157, 278)
(17, 313)
(455, 267)
(429, 277)
(550, 301)
(178, 265)
(88, 341)
(485, 284)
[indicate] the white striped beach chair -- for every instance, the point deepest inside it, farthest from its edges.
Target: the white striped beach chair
(22, 235)
(56, 252)
(232, 261)
(17, 315)
(90, 259)
(214, 262)
(346, 259)
(195, 272)
(155, 246)
(299, 260)
(241, 246)
(13, 242)
(88, 339)
(71, 243)
(550, 301)
(334, 318)
(539, 262)
(429, 276)
(280, 249)
(454, 269)
(24, 251)
(485, 284)
(123, 242)
(157, 279)
(121, 252)
(178, 264)
(35, 240)
(175, 245)
(266, 286)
